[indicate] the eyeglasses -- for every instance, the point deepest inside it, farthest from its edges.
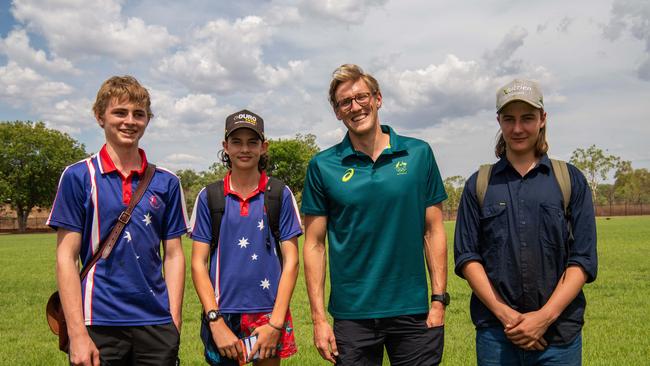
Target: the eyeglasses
(362, 99)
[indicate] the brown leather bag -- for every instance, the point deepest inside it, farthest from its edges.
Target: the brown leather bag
(53, 310)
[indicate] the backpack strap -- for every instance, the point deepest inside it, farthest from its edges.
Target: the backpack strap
(216, 204)
(561, 172)
(482, 182)
(273, 207)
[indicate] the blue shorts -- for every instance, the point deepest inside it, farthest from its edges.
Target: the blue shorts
(493, 348)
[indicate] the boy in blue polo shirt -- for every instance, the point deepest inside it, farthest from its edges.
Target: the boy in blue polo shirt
(125, 311)
(244, 289)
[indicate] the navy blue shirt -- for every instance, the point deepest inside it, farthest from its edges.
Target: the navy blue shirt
(520, 237)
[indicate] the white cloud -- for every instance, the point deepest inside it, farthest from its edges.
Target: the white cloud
(564, 25)
(345, 11)
(22, 85)
(644, 70)
(179, 161)
(279, 14)
(16, 47)
(633, 16)
(461, 144)
(500, 59)
(185, 117)
(455, 88)
(203, 60)
(79, 28)
(226, 57)
(71, 116)
(182, 159)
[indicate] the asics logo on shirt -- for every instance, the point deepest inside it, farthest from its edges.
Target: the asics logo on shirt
(348, 175)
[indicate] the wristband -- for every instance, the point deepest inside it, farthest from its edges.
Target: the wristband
(279, 329)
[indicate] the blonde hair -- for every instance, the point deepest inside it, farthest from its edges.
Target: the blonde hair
(122, 88)
(347, 72)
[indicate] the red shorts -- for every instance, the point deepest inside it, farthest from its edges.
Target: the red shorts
(287, 343)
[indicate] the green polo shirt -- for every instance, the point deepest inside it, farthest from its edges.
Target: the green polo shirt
(375, 224)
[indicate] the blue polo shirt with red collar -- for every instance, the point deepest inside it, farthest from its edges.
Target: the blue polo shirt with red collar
(127, 288)
(245, 268)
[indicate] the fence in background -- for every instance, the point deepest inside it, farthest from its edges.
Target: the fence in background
(10, 224)
(604, 210)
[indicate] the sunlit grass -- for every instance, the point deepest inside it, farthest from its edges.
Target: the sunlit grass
(616, 330)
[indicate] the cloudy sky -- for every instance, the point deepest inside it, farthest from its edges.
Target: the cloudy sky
(439, 64)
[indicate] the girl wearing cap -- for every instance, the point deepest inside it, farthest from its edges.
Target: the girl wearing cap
(244, 284)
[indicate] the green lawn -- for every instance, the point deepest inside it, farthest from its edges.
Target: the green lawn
(617, 327)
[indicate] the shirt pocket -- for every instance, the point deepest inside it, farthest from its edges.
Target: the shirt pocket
(552, 227)
(494, 232)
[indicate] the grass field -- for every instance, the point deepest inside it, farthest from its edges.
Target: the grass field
(617, 330)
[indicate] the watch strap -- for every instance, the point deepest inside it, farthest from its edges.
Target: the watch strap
(213, 315)
(443, 298)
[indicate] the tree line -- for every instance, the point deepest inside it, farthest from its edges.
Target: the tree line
(288, 160)
(631, 186)
(33, 156)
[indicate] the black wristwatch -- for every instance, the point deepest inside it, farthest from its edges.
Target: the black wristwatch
(213, 315)
(443, 298)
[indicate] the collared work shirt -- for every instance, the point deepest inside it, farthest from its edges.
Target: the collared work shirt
(520, 236)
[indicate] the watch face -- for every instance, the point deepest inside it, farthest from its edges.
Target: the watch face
(212, 315)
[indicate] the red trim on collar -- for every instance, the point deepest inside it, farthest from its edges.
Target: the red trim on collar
(108, 166)
(243, 201)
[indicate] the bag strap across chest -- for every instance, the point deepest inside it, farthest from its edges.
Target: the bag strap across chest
(108, 244)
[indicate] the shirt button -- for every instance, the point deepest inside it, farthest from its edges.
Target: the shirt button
(523, 222)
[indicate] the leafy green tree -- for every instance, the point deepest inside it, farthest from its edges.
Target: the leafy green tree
(288, 160)
(454, 187)
(606, 194)
(633, 185)
(193, 182)
(595, 165)
(32, 158)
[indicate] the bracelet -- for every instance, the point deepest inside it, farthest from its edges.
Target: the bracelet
(279, 329)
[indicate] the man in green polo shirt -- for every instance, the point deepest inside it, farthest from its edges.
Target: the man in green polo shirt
(378, 196)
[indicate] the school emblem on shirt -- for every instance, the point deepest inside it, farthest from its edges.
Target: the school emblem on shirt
(154, 201)
(400, 168)
(348, 175)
